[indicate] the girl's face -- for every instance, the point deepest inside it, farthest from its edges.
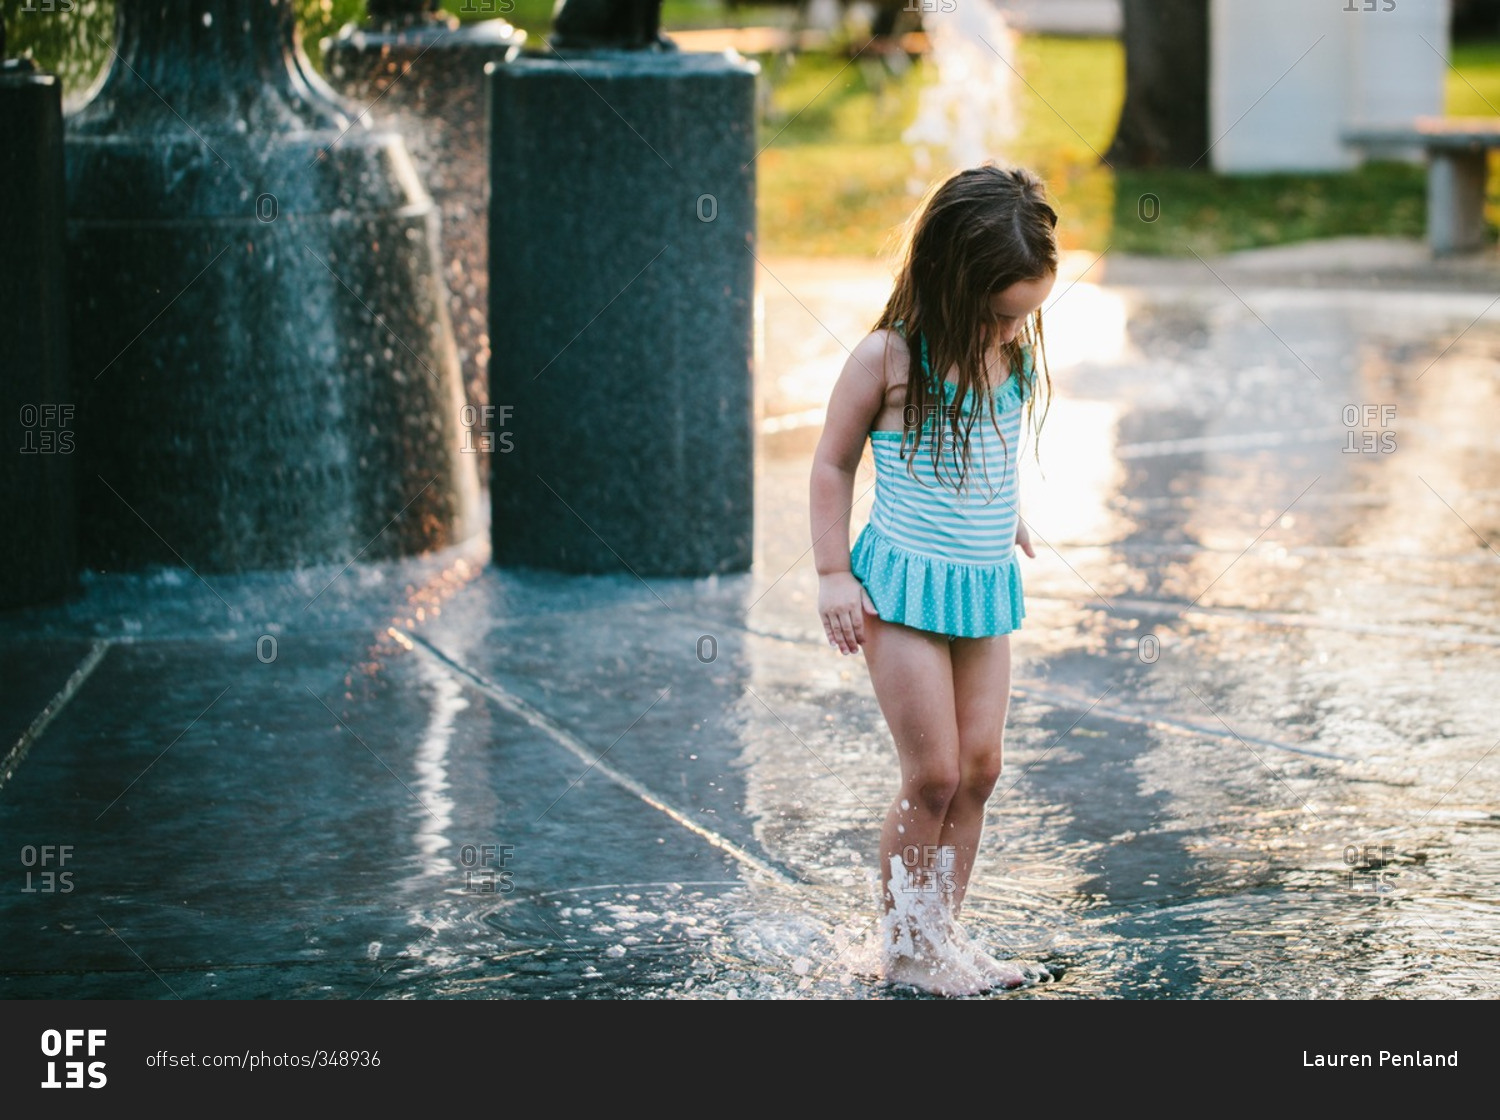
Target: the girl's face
(1012, 307)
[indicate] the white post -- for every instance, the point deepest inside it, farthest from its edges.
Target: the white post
(1455, 201)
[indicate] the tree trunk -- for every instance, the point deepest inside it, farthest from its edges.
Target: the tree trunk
(1164, 120)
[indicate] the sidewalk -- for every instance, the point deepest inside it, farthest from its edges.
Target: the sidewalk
(1390, 263)
(1248, 653)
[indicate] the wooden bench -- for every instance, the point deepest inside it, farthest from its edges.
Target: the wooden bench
(1457, 150)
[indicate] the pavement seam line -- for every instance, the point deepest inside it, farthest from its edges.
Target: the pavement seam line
(17, 752)
(566, 739)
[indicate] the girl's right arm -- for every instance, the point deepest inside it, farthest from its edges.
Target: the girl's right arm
(858, 397)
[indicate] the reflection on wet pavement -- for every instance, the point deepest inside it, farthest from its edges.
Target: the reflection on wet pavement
(1252, 751)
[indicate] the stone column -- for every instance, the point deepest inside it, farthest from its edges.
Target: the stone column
(37, 552)
(261, 342)
(622, 271)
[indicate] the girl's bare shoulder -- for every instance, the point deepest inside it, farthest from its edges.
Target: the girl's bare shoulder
(883, 353)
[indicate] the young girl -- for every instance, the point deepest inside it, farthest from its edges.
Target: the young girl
(932, 588)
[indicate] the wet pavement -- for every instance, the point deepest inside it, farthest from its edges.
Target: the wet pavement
(1252, 752)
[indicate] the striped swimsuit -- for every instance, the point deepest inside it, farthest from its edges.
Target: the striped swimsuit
(942, 561)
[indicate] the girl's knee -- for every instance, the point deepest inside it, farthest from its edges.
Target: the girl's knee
(935, 788)
(982, 771)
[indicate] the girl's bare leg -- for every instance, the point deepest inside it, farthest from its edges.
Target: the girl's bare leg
(981, 689)
(912, 673)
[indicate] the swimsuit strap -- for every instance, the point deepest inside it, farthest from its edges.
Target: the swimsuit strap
(900, 327)
(1022, 376)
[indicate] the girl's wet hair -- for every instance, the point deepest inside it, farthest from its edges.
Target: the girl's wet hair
(976, 234)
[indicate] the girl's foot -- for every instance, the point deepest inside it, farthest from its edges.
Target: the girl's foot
(947, 976)
(926, 949)
(1001, 974)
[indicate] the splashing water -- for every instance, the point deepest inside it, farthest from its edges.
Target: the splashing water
(967, 115)
(925, 946)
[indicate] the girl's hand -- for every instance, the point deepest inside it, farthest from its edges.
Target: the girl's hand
(842, 602)
(1023, 538)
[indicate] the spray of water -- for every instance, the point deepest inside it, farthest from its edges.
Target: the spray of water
(967, 114)
(923, 943)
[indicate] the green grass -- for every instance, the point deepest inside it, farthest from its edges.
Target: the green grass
(837, 178)
(834, 177)
(1474, 79)
(1218, 213)
(1068, 93)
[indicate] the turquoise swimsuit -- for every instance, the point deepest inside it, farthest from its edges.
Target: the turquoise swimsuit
(942, 561)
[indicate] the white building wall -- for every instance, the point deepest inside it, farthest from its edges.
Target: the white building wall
(1286, 77)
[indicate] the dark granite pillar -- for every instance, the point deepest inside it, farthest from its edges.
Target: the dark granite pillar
(622, 227)
(421, 71)
(260, 332)
(36, 483)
